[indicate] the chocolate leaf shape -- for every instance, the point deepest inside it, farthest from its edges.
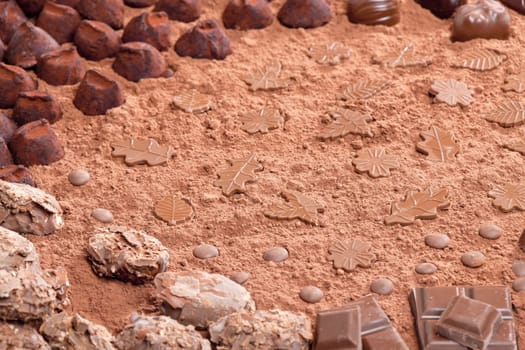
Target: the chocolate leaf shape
(297, 206)
(346, 122)
(515, 83)
(481, 59)
(509, 197)
(348, 255)
(261, 121)
(332, 53)
(439, 145)
(507, 114)
(142, 152)
(241, 171)
(266, 78)
(517, 146)
(192, 102)
(451, 92)
(405, 58)
(375, 162)
(173, 210)
(417, 205)
(364, 89)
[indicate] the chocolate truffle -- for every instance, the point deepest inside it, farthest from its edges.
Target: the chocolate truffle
(138, 60)
(441, 8)
(31, 7)
(35, 105)
(13, 80)
(96, 40)
(27, 44)
(110, 12)
(139, 3)
(36, 143)
(11, 16)
(7, 127)
(247, 14)
(152, 28)
(59, 21)
(487, 19)
(97, 93)
(305, 13)
(61, 66)
(16, 173)
(5, 155)
(205, 40)
(180, 10)
(372, 12)
(2, 50)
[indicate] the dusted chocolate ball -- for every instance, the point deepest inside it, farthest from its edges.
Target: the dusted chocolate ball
(31, 7)
(7, 127)
(205, 40)
(305, 13)
(11, 16)
(61, 66)
(487, 19)
(60, 21)
(16, 173)
(180, 10)
(35, 105)
(5, 155)
(110, 12)
(13, 80)
(96, 40)
(138, 60)
(152, 28)
(97, 93)
(27, 44)
(373, 12)
(441, 8)
(139, 3)
(36, 143)
(247, 14)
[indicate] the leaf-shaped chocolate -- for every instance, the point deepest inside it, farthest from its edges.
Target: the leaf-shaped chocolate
(405, 58)
(507, 114)
(142, 152)
(346, 122)
(438, 145)
(452, 92)
(417, 205)
(192, 102)
(297, 206)
(481, 60)
(375, 162)
(262, 121)
(332, 53)
(241, 171)
(173, 210)
(509, 197)
(515, 83)
(266, 78)
(364, 89)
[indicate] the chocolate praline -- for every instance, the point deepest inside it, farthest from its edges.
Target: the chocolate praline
(305, 13)
(61, 66)
(441, 8)
(11, 16)
(486, 19)
(96, 40)
(13, 80)
(180, 10)
(97, 93)
(60, 21)
(373, 12)
(247, 14)
(27, 44)
(152, 28)
(137, 60)
(110, 12)
(205, 40)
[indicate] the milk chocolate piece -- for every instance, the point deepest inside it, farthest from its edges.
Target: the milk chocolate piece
(180, 10)
(35, 105)
(11, 16)
(97, 93)
(7, 127)
(428, 304)
(13, 80)
(61, 66)
(139, 3)
(152, 28)
(17, 174)
(96, 40)
(441, 8)
(36, 143)
(372, 12)
(205, 40)
(138, 60)
(486, 19)
(27, 44)
(247, 14)
(5, 154)
(31, 7)
(305, 13)
(338, 329)
(60, 21)
(110, 12)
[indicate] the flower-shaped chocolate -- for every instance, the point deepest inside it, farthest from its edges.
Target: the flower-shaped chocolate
(350, 254)
(452, 92)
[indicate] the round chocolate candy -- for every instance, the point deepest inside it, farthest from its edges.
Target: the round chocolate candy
(305, 13)
(373, 12)
(486, 19)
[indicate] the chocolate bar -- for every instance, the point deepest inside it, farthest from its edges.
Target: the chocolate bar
(338, 329)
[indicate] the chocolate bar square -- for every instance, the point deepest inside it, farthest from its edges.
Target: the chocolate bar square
(338, 329)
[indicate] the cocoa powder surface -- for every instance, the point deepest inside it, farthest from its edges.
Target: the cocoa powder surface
(294, 158)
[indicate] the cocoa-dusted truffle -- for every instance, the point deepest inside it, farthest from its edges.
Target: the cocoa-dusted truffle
(11, 16)
(441, 8)
(180, 10)
(487, 19)
(96, 40)
(7, 127)
(13, 80)
(205, 40)
(97, 93)
(247, 14)
(5, 155)
(139, 3)
(36, 143)
(110, 12)
(35, 105)
(138, 60)
(373, 12)
(305, 13)
(16, 173)
(61, 66)
(60, 21)
(27, 44)
(31, 7)
(2, 50)
(152, 28)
